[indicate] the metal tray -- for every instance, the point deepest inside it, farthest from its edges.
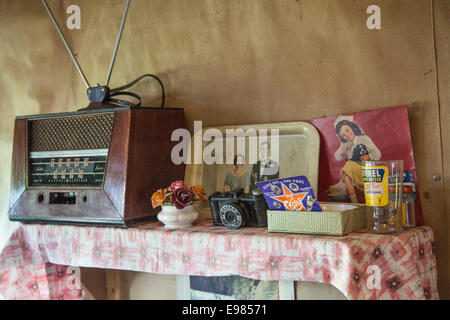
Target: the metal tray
(336, 219)
(298, 155)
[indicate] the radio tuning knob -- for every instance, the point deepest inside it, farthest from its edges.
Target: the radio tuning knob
(41, 197)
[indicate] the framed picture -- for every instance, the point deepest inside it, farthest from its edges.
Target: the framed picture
(232, 288)
(231, 158)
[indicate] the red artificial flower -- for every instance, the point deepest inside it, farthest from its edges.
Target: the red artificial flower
(177, 185)
(182, 197)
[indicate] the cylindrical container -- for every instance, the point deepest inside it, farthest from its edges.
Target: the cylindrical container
(383, 182)
(408, 208)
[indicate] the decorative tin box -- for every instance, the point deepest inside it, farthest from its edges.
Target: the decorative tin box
(336, 219)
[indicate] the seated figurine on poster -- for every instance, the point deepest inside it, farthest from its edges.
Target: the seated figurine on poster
(265, 168)
(238, 178)
(356, 147)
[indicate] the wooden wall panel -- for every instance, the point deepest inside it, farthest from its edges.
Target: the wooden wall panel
(442, 32)
(116, 285)
(93, 282)
(244, 61)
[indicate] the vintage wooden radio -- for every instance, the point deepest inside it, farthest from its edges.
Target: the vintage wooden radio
(98, 165)
(95, 167)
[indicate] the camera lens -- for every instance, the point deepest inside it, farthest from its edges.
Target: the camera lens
(231, 216)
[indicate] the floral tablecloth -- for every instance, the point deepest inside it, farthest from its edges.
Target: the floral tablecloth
(33, 264)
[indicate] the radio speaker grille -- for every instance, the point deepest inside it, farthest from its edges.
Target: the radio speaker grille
(81, 132)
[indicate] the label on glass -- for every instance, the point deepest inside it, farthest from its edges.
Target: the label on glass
(376, 186)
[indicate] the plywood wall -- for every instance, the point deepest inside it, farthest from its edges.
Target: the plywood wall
(442, 36)
(245, 61)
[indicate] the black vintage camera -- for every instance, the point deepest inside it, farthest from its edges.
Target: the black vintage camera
(237, 209)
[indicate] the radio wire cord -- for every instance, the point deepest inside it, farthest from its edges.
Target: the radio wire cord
(119, 92)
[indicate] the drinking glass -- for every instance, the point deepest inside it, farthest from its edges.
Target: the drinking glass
(383, 182)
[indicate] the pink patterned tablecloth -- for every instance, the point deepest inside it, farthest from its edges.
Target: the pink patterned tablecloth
(33, 265)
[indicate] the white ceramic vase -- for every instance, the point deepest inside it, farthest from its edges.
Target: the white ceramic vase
(177, 218)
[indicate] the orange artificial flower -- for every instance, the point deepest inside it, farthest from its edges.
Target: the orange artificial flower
(199, 191)
(158, 198)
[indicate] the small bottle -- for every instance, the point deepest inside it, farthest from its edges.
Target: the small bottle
(408, 208)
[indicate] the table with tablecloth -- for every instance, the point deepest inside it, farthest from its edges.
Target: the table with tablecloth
(34, 263)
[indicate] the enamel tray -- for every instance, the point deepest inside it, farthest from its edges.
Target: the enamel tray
(298, 154)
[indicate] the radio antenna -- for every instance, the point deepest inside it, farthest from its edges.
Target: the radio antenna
(86, 82)
(102, 96)
(119, 36)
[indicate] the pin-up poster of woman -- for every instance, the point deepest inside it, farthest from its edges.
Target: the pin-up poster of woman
(346, 141)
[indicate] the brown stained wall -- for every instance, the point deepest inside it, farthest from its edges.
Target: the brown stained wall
(245, 61)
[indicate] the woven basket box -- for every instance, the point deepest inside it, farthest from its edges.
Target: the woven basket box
(336, 219)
